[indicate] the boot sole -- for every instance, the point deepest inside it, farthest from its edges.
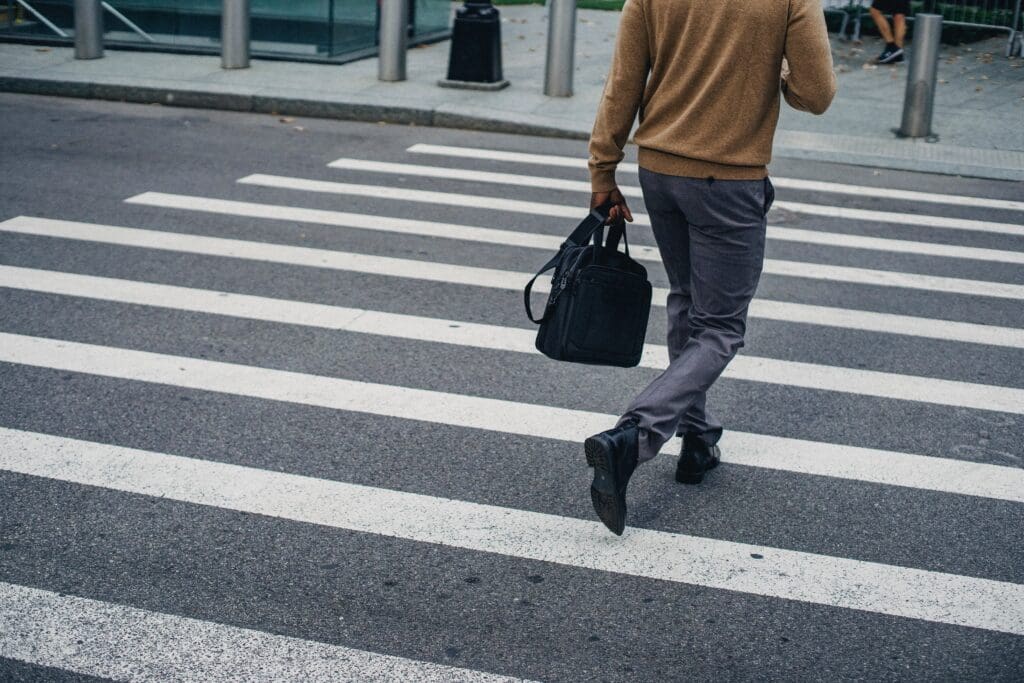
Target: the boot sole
(608, 506)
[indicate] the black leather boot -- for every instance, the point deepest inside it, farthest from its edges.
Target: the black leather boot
(696, 460)
(613, 455)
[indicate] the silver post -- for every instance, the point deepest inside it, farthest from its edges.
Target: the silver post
(234, 34)
(1015, 43)
(924, 64)
(394, 26)
(88, 29)
(558, 69)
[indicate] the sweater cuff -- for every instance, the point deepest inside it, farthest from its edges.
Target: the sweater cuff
(602, 181)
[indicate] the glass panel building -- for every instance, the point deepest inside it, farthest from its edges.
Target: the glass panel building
(308, 30)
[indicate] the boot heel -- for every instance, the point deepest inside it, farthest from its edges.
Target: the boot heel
(613, 456)
(595, 452)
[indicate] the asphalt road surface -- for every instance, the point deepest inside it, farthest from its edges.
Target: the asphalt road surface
(265, 417)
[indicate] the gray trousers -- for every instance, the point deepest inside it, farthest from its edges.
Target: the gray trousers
(711, 236)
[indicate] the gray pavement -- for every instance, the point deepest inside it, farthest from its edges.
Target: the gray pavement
(505, 614)
(979, 105)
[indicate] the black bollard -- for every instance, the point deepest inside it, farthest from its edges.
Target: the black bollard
(475, 58)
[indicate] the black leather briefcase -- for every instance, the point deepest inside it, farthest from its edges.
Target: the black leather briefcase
(600, 298)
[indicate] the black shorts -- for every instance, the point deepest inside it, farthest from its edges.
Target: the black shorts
(892, 6)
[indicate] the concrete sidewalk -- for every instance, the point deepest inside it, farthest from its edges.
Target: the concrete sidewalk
(979, 106)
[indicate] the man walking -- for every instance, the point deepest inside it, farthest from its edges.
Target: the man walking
(705, 79)
(893, 36)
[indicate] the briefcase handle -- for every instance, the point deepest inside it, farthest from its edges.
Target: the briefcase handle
(617, 232)
(581, 235)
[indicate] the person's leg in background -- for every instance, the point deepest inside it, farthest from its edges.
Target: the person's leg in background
(899, 29)
(882, 24)
(893, 51)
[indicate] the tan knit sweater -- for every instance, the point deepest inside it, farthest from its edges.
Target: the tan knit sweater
(705, 78)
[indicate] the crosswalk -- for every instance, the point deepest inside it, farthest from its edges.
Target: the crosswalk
(786, 183)
(838, 582)
(472, 372)
(572, 210)
(101, 639)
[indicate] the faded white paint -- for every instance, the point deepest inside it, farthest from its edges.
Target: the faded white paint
(460, 333)
(752, 569)
(482, 277)
(508, 417)
(573, 211)
(580, 162)
(130, 644)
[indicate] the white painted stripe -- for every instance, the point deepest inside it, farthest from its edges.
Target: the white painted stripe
(892, 217)
(901, 195)
(533, 240)
(870, 321)
(461, 333)
(800, 269)
(424, 196)
(271, 253)
(830, 239)
(892, 278)
(788, 183)
(838, 239)
(361, 221)
(513, 157)
(422, 171)
(507, 417)
(724, 565)
(130, 644)
(455, 274)
(573, 211)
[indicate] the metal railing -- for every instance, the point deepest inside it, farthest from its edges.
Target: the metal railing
(127, 22)
(105, 5)
(998, 15)
(840, 8)
(42, 18)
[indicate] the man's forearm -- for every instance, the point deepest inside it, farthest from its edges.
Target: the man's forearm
(620, 101)
(810, 83)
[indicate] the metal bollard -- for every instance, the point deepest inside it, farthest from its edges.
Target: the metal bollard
(919, 100)
(234, 34)
(88, 29)
(474, 60)
(1015, 46)
(558, 68)
(393, 40)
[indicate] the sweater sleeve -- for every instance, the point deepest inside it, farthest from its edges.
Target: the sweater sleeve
(810, 84)
(620, 101)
